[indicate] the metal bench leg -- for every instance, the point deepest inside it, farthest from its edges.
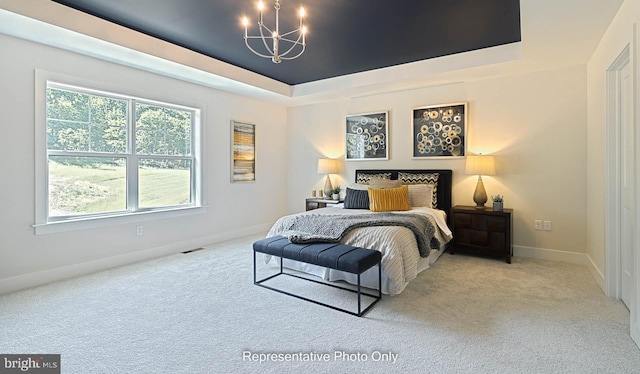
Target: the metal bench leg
(359, 294)
(359, 291)
(380, 279)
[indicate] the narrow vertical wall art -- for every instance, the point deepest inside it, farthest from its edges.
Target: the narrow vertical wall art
(243, 152)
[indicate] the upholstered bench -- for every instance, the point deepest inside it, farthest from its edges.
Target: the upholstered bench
(337, 256)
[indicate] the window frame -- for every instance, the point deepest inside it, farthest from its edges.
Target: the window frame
(45, 224)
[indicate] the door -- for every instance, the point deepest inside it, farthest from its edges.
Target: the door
(627, 184)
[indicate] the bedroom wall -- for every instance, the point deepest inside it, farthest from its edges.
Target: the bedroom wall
(622, 32)
(233, 209)
(535, 125)
(619, 35)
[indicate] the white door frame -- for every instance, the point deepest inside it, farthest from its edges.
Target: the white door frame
(635, 291)
(612, 190)
(613, 172)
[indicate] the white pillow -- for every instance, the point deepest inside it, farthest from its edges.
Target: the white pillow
(421, 195)
(358, 186)
(384, 183)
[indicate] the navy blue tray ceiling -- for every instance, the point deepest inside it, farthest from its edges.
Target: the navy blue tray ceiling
(344, 36)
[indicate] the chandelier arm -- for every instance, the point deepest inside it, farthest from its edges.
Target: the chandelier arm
(296, 56)
(291, 32)
(294, 44)
(264, 41)
(254, 37)
(297, 41)
(263, 26)
(246, 42)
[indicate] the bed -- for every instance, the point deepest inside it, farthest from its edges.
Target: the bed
(404, 254)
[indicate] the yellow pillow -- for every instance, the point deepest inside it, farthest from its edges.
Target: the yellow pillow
(388, 199)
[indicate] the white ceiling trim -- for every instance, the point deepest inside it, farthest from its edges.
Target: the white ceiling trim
(52, 24)
(550, 40)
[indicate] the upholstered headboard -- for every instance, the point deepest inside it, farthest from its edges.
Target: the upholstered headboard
(444, 180)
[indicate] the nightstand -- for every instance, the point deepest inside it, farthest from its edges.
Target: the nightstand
(482, 231)
(315, 203)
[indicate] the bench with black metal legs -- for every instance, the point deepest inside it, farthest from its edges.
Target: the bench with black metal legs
(337, 256)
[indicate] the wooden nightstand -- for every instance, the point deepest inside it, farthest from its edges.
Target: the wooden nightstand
(315, 203)
(482, 231)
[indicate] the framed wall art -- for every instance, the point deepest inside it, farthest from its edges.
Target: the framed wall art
(243, 152)
(439, 131)
(367, 136)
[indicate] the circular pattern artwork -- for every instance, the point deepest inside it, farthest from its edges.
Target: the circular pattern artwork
(366, 136)
(439, 130)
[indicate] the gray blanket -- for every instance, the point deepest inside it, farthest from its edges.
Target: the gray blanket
(332, 228)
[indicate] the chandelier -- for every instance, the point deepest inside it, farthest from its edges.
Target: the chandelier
(273, 40)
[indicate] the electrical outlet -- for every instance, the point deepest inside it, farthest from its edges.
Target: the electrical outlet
(547, 225)
(139, 230)
(538, 224)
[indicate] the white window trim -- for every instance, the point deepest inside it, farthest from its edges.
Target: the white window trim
(41, 226)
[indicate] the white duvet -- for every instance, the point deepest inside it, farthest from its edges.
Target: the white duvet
(401, 261)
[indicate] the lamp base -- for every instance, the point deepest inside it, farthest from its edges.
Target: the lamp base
(480, 195)
(328, 188)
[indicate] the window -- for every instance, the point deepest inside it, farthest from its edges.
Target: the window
(110, 154)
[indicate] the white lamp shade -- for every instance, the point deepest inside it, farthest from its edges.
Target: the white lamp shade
(480, 165)
(327, 166)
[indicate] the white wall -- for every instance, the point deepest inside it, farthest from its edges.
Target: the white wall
(622, 32)
(235, 209)
(618, 36)
(535, 124)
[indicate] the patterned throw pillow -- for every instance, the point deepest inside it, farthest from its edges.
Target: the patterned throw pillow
(422, 178)
(364, 178)
(389, 199)
(356, 199)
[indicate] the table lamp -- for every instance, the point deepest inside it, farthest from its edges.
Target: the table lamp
(327, 166)
(480, 165)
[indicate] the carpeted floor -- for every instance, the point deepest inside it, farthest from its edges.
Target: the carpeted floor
(200, 313)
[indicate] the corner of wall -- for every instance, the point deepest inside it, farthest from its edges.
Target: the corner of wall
(597, 274)
(563, 256)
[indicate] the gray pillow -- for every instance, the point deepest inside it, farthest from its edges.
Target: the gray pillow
(356, 199)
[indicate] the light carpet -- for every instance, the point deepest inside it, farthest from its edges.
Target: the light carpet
(201, 313)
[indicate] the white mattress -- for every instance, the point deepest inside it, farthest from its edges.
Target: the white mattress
(401, 261)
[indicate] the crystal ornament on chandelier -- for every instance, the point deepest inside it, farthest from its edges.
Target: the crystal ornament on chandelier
(272, 39)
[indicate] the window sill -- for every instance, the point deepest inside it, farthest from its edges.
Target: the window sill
(96, 222)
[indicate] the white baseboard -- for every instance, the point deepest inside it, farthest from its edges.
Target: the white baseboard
(562, 256)
(550, 254)
(597, 274)
(52, 275)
